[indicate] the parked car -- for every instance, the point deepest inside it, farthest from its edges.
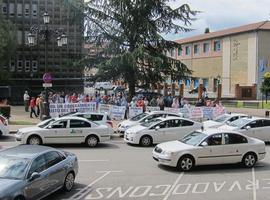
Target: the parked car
(256, 127)
(100, 118)
(160, 130)
(143, 117)
(211, 146)
(66, 130)
(34, 172)
(4, 128)
(223, 119)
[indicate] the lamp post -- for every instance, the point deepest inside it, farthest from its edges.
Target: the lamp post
(46, 34)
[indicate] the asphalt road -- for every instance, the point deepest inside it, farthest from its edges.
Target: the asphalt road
(116, 170)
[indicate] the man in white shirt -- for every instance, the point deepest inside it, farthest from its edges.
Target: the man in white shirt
(26, 99)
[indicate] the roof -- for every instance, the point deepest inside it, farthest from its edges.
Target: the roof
(264, 25)
(26, 151)
(212, 131)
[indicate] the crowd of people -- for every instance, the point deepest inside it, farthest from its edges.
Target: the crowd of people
(36, 104)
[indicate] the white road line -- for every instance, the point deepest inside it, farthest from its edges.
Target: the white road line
(254, 184)
(94, 160)
(173, 186)
(84, 191)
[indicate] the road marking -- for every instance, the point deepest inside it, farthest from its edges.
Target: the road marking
(173, 186)
(84, 191)
(94, 160)
(254, 184)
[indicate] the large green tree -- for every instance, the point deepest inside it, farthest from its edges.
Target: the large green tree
(133, 33)
(265, 87)
(7, 46)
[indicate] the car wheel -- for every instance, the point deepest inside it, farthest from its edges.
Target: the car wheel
(34, 140)
(69, 182)
(92, 141)
(185, 163)
(146, 141)
(249, 160)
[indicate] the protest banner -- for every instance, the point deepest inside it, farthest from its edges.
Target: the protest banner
(173, 110)
(218, 111)
(133, 111)
(185, 112)
(118, 112)
(196, 113)
(104, 108)
(150, 108)
(208, 112)
(58, 109)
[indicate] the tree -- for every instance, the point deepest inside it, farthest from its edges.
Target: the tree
(7, 46)
(133, 31)
(265, 87)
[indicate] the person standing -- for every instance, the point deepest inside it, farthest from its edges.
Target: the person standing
(33, 107)
(26, 99)
(41, 107)
(37, 104)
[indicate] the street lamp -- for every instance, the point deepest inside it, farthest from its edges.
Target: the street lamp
(46, 35)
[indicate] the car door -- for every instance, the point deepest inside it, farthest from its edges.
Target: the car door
(212, 152)
(265, 130)
(55, 169)
(254, 129)
(234, 147)
(170, 130)
(157, 132)
(39, 187)
(56, 132)
(77, 130)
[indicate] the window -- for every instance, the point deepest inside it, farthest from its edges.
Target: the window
(214, 140)
(217, 46)
(4, 8)
(187, 50)
(26, 37)
(205, 47)
(79, 124)
(11, 9)
(38, 165)
(234, 139)
(96, 117)
(179, 51)
(19, 37)
(19, 65)
(27, 66)
(19, 10)
(173, 53)
(266, 122)
(26, 10)
(12, 66)
(52, 158)
(255, 124)
(34, 65)
(59, 124)
(196, 49)
(34, 10)
(187, 123)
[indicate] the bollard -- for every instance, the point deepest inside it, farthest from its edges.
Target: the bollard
(267, 113)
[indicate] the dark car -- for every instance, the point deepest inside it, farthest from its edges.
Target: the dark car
(33, 172)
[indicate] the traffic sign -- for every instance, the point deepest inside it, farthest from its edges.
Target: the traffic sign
(47, 78)
(47, 85)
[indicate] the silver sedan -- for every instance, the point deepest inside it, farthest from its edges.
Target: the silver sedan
(33, 172)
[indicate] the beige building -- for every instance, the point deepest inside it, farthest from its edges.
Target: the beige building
(233, 56)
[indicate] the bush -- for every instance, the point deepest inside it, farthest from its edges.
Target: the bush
(5, 111)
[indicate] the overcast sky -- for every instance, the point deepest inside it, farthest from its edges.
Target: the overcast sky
(222, 14)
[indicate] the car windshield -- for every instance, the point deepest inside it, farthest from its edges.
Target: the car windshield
(240, 122)
(138, 117)
(13, 167)
(45, 123)
(222, 118)
(193, 138)
(151, 122)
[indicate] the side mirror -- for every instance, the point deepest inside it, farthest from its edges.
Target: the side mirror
(157, 128)
(248, 127)
(34, 176)
(49, 127)
(146, 120)
(204, 144)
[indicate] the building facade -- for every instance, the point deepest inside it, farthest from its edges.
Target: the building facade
(27, 65)
(234, 57)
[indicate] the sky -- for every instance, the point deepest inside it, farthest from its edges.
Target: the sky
(223, 14)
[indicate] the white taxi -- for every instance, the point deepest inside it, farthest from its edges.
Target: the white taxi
(212, 146)
(143, 117)
(256, 127)
(66, 130)
(160, 130)
(223, 119)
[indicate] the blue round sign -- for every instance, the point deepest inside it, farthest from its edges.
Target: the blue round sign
(47, 78)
